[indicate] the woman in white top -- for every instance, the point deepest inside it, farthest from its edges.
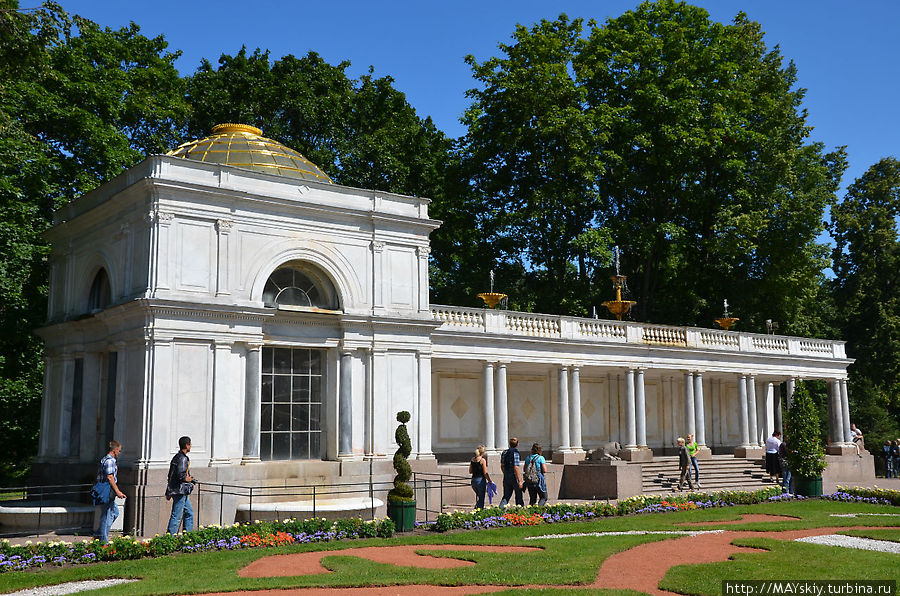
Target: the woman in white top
(773, 469)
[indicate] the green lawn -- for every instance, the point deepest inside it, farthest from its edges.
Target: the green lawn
(566, 561)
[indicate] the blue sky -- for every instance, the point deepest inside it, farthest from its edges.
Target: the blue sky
(847, 54)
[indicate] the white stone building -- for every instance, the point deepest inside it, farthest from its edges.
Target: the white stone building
(231, 292)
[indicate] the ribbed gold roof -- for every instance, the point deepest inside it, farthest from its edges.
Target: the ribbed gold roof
(243, 146)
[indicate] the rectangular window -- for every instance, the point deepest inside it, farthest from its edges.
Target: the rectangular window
(291, 401)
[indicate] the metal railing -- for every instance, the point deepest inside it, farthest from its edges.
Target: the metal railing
(47, 499)
(225, 499)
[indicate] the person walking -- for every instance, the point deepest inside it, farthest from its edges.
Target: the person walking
(512, 477)
(692, 448)
(179, 487)
(895, 456)
(772, 445)
(785, 467)
(109, 472)
(684, 460)
(888, 459)
(534, 475)
(480, 476)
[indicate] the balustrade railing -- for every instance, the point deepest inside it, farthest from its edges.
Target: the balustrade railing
(659, 334)
(534, 325)
(503, 322)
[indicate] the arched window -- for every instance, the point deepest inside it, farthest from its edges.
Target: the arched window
(100, 295)
(298, 284)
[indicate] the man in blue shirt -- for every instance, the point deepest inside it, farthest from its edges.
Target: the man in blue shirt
(512, 477)
(109, 472)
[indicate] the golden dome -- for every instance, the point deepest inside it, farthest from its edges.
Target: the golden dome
(243, 146)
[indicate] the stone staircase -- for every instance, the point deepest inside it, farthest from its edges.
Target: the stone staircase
(722, 472)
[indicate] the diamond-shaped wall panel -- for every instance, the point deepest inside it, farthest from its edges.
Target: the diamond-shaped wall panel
(459, 407)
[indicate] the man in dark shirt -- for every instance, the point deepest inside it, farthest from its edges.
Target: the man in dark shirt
(512, 477)
(684, 460)
(179, 488)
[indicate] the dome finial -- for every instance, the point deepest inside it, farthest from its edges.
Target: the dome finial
(230, 127)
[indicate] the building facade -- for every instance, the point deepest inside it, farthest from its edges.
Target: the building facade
(231, 292)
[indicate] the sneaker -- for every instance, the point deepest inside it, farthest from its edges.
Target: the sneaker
(698, 485)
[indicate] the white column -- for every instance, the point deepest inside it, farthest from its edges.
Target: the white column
(575, 409)
(699, 414)
(369, 413)
(562, 412)
(789, 393)
(845, 410)
(252, 403)
(501, 409)
(640, 409)
(770, 423)
(424, 418)
(630, 431)
(751, 410)
(345, 405)
(779, 422)
(64, 417)
(689, 403)
(837, 416)
(487, 404)
(223, 231)
(742, 411)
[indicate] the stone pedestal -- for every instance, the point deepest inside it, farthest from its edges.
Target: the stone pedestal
(568, 458)
(636, 454)
(704, 453)
(749, 452)
(840, 450)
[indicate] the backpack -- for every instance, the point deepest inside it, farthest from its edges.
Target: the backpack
(506, 460)
(531, 475)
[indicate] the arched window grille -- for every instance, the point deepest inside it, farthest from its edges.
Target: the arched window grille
(297, 284)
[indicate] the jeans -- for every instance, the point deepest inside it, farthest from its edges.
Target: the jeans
(510, 486)
(534, 491)
(108, 515)
(181, 506)
(786, 478)
(479, 485)
(685, 477)
(696, 469)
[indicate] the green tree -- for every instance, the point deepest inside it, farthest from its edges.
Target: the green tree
(531, 169)
(866, 265)
(361, 132)
(78, 104)
(680, 139)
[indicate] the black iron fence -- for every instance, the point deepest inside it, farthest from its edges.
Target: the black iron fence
(65, 509)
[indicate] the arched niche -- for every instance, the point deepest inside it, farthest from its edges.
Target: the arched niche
(100, 293)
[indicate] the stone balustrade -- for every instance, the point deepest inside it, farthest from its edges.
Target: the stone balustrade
(504, 322)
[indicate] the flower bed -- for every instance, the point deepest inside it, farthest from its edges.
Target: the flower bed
(256, 535)
(495, 517)
(882, 495)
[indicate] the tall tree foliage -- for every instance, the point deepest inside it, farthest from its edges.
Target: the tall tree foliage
(866, 261)
(362, 132)
(78, 103)
(678, 138)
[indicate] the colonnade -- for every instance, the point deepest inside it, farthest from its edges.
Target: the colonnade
(759, 408)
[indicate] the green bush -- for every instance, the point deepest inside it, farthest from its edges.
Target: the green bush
(402, 492)
(806, 457)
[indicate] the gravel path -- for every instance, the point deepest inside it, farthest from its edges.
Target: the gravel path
(71, 587)
(882, 546)
(628, 533)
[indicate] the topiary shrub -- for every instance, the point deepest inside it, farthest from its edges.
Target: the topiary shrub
(805, 455)
(402, 492)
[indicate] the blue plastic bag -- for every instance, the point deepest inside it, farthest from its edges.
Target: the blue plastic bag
(491, 491)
